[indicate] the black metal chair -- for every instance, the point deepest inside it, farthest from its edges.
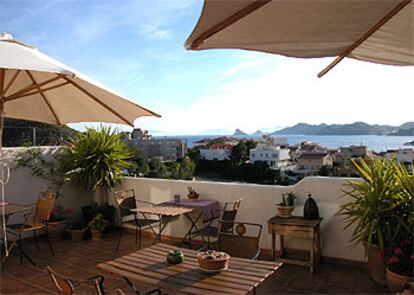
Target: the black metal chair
(126, 201)
(211, 230)
(243, 241)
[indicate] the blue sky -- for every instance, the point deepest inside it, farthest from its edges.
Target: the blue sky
(136, 48)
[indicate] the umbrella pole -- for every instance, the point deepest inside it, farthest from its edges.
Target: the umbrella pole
(4, 177)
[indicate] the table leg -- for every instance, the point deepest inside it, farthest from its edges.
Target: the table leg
(192, 227)
(282, 245)
(273, 245)
(312, 254)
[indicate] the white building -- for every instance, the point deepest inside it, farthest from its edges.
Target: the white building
(275, 156)
(218, 152)
(403, 156)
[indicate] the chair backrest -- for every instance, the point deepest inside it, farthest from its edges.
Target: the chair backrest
(126, 201)
(229, 215)
(63, 284)
(244, 243)
(44, 206)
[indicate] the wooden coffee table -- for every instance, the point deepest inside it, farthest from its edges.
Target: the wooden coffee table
(149, 266)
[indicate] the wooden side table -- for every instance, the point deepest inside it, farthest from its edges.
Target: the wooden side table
(295, 226)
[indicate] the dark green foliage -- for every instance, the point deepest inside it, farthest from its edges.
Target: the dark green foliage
(96, 159)
(20, 133)
(239, 153)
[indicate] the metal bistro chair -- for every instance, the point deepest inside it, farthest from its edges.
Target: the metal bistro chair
(36, 220)
(228, 215)
(67, 286)
(126, 201)
(239, 244)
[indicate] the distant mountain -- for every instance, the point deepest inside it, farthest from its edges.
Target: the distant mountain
(238, 132)
(403, 132)
(357, 128)
(258, 133)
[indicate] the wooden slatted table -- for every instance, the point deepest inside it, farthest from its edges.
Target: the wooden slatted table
(166, 214)
(149, 266)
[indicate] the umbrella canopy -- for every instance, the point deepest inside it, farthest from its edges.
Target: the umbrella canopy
(35, 87)
(380, 31)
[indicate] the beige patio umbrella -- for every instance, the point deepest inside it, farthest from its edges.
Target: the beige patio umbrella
(379, 31)
(35, 87)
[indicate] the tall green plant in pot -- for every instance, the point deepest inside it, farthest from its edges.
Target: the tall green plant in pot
(372, 211)
(400, 256)
(95, 160)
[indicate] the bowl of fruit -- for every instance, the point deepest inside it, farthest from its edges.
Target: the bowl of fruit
(213, 261)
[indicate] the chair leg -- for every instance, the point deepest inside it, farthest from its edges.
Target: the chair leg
(36, 241)
(136, 236)
(21, 249)
(140, 238)
(48, 242)
(119, 238)
(136, 291)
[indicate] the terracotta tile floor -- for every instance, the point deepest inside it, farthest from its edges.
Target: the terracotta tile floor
(78, 260)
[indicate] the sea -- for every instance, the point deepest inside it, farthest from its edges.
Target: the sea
(377, 143)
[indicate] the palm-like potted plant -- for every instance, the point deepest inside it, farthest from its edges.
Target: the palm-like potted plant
(400, 258)
(285, 208)
(373, 211)
(95, 160)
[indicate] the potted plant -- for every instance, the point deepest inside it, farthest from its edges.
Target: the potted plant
(285, 208)
(58, 222)
(192, 193)
(77, 232)
(95, 160)
(400, 260)
(373, 211)
(97, 226)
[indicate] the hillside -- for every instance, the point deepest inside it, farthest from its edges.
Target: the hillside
(239, 132)
(20, 133)
(357, 128)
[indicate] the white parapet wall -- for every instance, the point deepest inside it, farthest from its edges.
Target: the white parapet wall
(24, 188)
(259, 205)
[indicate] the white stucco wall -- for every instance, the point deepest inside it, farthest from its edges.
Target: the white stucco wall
(258, 206)
(23, 188)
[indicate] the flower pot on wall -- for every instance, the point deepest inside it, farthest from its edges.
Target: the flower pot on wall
(77, 234)
(376, 264)
(57, 229)
(397, 282)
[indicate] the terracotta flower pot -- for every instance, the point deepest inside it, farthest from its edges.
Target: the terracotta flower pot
(376, 264)
(212, 264)
(396, 282)
(193, 196)
(284, 211)
(96, 235)
(57, 229)
(77, 234)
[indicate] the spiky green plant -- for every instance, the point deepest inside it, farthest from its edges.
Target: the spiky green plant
(96, 159)
(374, 208)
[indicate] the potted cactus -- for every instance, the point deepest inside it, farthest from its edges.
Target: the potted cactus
(192, 193)
(285, 208)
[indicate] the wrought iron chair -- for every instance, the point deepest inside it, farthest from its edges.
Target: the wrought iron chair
(36, 220)
(211, 230)
(66, 286)
(126, 202)
(243, 243)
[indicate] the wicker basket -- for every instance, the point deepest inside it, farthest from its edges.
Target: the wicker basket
(212, 264)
